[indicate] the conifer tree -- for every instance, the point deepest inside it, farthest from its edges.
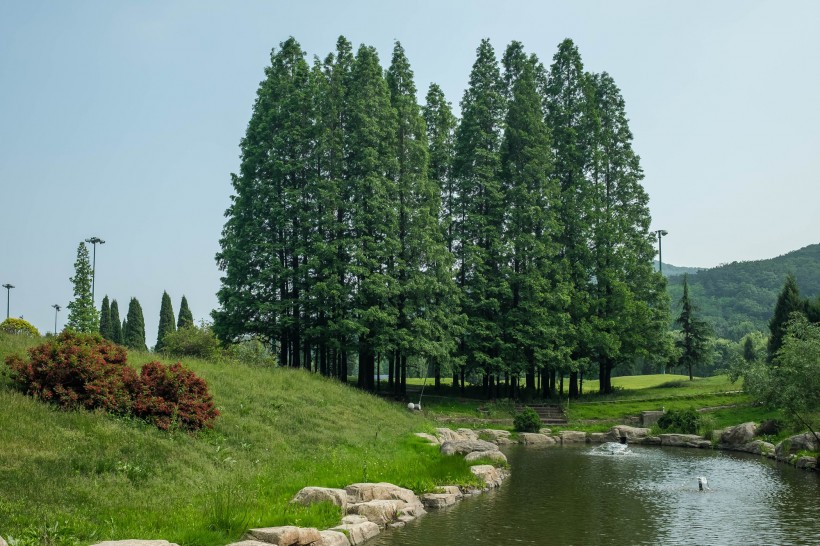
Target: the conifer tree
(134, 327)
(788, 302)
(480, 215)
(82, 316)
(116, 325)
(166, 321)
(186, 318)
(105, 320)
(695, 342)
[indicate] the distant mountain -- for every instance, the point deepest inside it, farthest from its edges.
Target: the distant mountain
(670, 270)
(739, 297)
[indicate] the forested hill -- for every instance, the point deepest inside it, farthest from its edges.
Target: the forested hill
(670, 270)
(739, 297)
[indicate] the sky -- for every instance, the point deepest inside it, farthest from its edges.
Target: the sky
(122, 120)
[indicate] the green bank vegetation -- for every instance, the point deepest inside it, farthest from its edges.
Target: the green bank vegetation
(79, 477)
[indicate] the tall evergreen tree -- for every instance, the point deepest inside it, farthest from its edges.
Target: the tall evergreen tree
(134, 328)
(166, 321)
(106, 330)
(480, 215)
(116, 325)
(694, 343)
(82, 316)
(788, 302)
(186, 318)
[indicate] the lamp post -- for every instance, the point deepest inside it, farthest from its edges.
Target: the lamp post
(661, 233)
(56, 310)
(94, 241)
(8, 288)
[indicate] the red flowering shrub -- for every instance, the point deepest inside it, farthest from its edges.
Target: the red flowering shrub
(77, 370)
(174, 396)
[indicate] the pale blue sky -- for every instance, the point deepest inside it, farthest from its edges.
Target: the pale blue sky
(122, 120)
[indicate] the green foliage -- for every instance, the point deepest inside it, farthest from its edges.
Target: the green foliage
(196, 341)
(133, 334)
(186, 318)
(695, 341)
(116, 325)
(788, 302)
(106, 326)
(18, 326)
(681, 421)
(527, 420)
(166, 321)
(252, 352)
(82, 317)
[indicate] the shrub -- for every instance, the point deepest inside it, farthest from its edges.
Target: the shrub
(18, 326)
(682, 421)
(76, 370)
(253, 353)
(527, 421)
(191, 341)
(174, 397)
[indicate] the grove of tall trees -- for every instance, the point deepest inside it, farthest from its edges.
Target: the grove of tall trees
(510, 247)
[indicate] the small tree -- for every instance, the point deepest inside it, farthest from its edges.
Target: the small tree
(105, 319)
(694, 343)
(134, 329)
(116, 325)
(82, 316)
(186, 318)
(166, 321)
(788, 302)
(18, 326)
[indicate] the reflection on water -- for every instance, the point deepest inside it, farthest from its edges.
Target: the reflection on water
(643, 495)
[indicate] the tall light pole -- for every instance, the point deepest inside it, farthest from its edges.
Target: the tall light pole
(56, 310)
(661, 233)
(8, 288)
(94, 241)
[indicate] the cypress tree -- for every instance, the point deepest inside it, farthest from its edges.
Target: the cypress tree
(105, 320)
(82, 316)
(694, 344)
(116, 326)
(186, 318)
(166, 321)
(134, 327)
(788, 302)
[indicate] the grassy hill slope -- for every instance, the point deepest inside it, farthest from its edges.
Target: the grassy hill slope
(80, 477)
(738, 298)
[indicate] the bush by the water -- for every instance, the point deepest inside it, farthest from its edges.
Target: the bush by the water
(18, 326)
(681, 421)
(527, 421)
(76, 370)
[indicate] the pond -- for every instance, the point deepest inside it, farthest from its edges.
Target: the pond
(649, 495)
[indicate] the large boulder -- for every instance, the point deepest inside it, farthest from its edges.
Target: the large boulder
(468, 433)
(429, 437)
(363, 492)
(596, 437)
(793, 444)
(536, 439)
(684, 440)
(310, 495)
(363, 497)
(126, 542)
(496, 436)
(491, 475)
(358, 533)
(632, 434)
(738, 435)
(573, 437)
(494, 456)
(439, 500)
(3, 542)
(449, 435)
(380, 512)
(466, 446)
(806, 463)
(285, 535)
(333, 538)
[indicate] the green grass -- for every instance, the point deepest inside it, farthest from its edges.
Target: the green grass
(80, 477)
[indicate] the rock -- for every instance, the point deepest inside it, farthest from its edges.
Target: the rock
(632, 434)
(546, 431)
(127, 542)
(495, 435)
(793, 444)
(649, 441)
(491, 475)
(612, 435)
(737, 435)
(684, 440)
(451, 489)
(438, 500)
(363, 492)
(249, 543)
(596, 437)
(757, 447)
(310, 495)
(468, 433)
(495, 456)
(806, 463)
(649, 418)
(449, 435)
(285, 535)
(3, 542)
(353, 519)
(769, 427)
(380, 512)
(429, 437)
(357, 533)
(466, 446)
(535, 438)
(573, 437)
(333, 538)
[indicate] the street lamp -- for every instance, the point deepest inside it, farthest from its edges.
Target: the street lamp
(661, 233)
(94, 241)
(56, 310)
(8, 288)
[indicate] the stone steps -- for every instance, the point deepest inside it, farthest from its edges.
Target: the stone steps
(550, 414)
